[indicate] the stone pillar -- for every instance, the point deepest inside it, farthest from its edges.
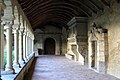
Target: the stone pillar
(21, 60)
(8, 28)
(15, 31)
(24, 47)
(32, 46)
(27, 46)
(2, 48)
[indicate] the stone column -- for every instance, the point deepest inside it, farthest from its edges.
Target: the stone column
(21, 60)
(15, 31)
(30, 42)
(2, 48)
(24, 46)
(28, 46)
(32, 46)
(8, 28)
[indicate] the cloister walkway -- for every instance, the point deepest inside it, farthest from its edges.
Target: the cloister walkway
(59, 68)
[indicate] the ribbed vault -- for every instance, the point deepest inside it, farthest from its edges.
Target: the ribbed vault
(59, 12)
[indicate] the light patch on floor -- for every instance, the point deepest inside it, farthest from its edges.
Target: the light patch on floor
(59, 68)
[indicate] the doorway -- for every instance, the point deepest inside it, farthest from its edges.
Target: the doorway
(94, 55)
(49, 46)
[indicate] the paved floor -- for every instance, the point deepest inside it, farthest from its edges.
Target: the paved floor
(60, 68)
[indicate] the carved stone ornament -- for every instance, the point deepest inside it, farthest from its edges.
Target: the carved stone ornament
(96, 29)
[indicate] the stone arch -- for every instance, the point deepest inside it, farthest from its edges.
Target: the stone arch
(49, 46)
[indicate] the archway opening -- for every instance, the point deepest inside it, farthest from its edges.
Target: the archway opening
(49, 46)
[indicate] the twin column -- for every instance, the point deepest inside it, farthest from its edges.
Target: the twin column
(19, 54)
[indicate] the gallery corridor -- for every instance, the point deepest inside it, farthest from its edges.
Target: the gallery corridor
(49, 67)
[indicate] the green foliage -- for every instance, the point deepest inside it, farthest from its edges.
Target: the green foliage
(5, 56)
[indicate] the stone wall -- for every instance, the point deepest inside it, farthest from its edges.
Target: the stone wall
(48, 32)
(77, 40)
(110, 20)
(64, 41)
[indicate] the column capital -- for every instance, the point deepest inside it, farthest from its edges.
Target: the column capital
(16, 27)
(7, 24)
(8, 17)
(21, 29)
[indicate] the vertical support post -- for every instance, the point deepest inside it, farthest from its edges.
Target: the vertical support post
(21, 60)
(16, 63)
(9, 67)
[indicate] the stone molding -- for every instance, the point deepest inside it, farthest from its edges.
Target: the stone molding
(75, 20)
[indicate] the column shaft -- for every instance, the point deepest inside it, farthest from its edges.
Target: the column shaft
(21, 60)
(32, 46)
(9, 67)
(27, 47)
(16, 64)
(2, 48)
(24, 47)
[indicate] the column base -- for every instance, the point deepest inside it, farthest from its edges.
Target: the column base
(28, 57)
(2, 70)
(16, 65)
(25, 59)
(22, 62)
(9, 70)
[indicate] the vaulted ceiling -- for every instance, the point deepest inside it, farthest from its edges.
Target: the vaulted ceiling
(59, 12)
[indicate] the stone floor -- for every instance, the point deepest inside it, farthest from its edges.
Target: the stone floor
(59, 68)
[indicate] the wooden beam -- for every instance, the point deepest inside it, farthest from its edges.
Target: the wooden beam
(89, 8)
(105, 3)
(95, 5)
